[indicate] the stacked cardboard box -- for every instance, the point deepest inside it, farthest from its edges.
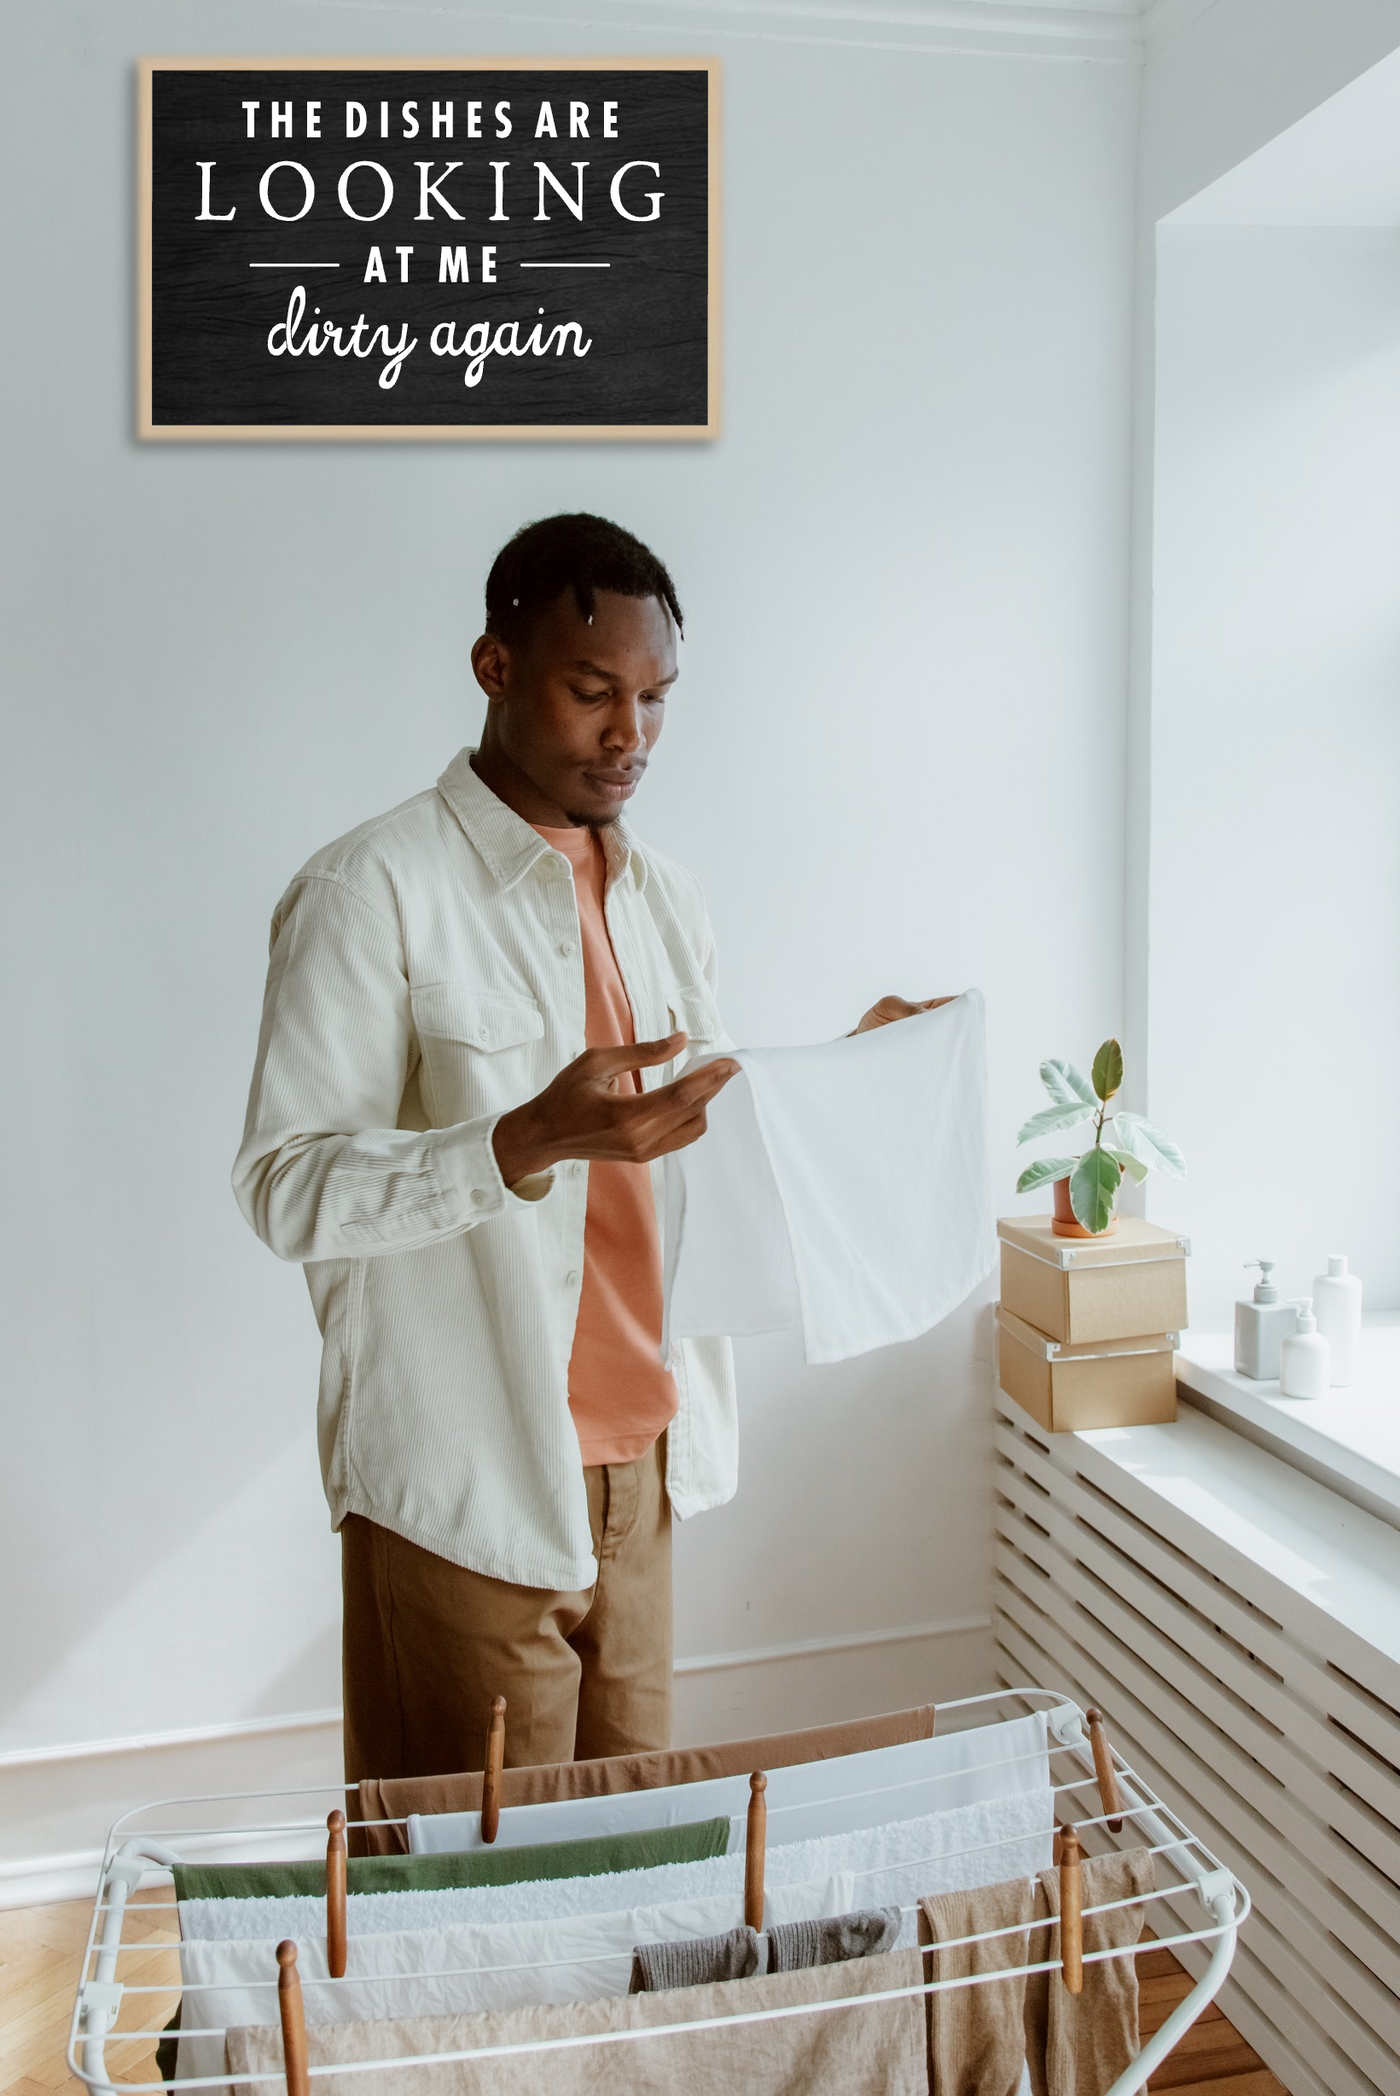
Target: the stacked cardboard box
(1087, 1326)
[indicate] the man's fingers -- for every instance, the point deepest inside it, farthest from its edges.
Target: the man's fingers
(612, 1062)
(679, 1137)
(887, 1009)
(656, 1118)
(698, 1087)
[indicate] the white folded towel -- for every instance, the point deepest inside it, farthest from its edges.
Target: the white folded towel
(850, 1790)
(895, 1865)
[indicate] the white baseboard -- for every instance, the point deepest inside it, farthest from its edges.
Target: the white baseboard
(850, 1641)
(68, 1796)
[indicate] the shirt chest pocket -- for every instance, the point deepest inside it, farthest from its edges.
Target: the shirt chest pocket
(692, 1012)
(482, 1050)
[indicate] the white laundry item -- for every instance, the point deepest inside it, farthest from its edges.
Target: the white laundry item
(894, 1865)
(844, 1188)
(432, 1972)
(853, 1790)
(898, 1865)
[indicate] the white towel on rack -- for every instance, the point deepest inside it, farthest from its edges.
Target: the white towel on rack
(844, 1188)
(432, 1972)
(893, 1865)
(851, 1790)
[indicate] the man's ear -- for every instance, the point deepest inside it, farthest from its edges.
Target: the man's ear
(491, 665)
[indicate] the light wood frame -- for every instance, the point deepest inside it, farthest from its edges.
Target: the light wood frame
(440, 432)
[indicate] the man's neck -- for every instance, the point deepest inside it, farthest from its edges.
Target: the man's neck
(519, 792)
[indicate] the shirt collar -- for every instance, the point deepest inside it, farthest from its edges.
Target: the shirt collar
(507, 843)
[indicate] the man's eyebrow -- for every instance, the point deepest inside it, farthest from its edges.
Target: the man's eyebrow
(594, 669)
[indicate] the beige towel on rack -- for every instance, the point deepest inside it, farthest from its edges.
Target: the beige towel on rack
(875, 2051)
(977, 2035)
(1079, 2044)
(395, 1797)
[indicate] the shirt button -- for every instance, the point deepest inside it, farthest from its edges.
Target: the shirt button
(483, 1033)
(478, 1197)
(566, 947)
(571, 1277)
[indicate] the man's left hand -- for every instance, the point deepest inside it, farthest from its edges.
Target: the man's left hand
(888, 1009)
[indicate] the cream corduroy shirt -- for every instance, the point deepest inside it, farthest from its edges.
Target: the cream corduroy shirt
(426, 977)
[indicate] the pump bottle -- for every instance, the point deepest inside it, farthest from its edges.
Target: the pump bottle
(1261, 1327)
(1305, 1365)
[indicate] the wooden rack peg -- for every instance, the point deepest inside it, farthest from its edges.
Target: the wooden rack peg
(1071, 1911)
(754, 1845)
(335, 1895)
(1104, 1769)
(491, 1777)
(293, 2014)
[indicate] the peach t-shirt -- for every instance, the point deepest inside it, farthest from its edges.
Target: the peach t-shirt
(621, 1396)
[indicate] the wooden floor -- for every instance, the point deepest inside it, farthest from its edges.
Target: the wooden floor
(41, 1947)
(41, 1950)
(1212, 2059)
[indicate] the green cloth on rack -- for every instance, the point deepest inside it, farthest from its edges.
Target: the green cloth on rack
(598, 1856)
(168, 2050)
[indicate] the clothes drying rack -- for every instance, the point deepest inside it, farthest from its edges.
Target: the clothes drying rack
(1205, 1904)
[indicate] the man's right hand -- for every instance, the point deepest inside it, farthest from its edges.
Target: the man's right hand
(585, 1113)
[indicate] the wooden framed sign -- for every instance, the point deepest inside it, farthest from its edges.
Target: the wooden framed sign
(429, 248)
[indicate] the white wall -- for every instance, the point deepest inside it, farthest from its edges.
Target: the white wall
(903, 568)
(1276, 750)
(1221, 80)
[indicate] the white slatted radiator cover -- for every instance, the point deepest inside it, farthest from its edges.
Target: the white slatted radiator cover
(1270, 1724)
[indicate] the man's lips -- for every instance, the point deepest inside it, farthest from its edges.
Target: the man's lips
(617, 785)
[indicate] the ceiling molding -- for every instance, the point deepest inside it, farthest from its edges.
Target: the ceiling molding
(1164, 19)
(1106, 30)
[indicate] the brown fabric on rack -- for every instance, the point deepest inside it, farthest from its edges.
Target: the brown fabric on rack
(697, 1961)
(977, 2035)
(875, 2051)
(395, 1798)
(832, 1939)
(1079, 2044)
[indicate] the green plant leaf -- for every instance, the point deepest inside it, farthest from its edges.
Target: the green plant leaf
(1136, 1171)
(1148, 1145)
(1052, 1117)
(1108, 1070)
(1043, 1171)
(1065, 1084)
(1093, 1189)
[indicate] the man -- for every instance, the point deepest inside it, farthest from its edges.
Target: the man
(470, 1065)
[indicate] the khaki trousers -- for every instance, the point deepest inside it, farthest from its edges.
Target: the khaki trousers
(427, 1645)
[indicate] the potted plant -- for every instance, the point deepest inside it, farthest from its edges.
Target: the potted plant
(1086, 1187)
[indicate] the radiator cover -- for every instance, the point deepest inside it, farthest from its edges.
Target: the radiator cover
(1269, 1720)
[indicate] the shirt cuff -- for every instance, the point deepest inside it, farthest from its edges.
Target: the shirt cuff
(471, 1178)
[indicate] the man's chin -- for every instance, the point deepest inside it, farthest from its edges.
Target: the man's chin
(593, 819)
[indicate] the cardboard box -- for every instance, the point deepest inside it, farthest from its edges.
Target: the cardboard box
(1083, 1289)
(1106, 1383)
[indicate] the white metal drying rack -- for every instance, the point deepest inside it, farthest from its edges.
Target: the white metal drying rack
(131, 1853)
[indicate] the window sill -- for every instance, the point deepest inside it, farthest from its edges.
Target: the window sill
(1348, 1440)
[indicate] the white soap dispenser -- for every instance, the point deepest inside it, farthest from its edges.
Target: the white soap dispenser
(1262, 1326)
(1306, 1358)
(1337, 1296)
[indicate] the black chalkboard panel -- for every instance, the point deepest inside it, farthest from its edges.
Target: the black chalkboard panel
(398, 249)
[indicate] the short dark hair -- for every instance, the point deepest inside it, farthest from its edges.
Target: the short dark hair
(579, 552)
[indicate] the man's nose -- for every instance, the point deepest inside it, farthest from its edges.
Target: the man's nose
(625, 729)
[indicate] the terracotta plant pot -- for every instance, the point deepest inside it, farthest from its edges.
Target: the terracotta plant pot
(1065, 1223)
